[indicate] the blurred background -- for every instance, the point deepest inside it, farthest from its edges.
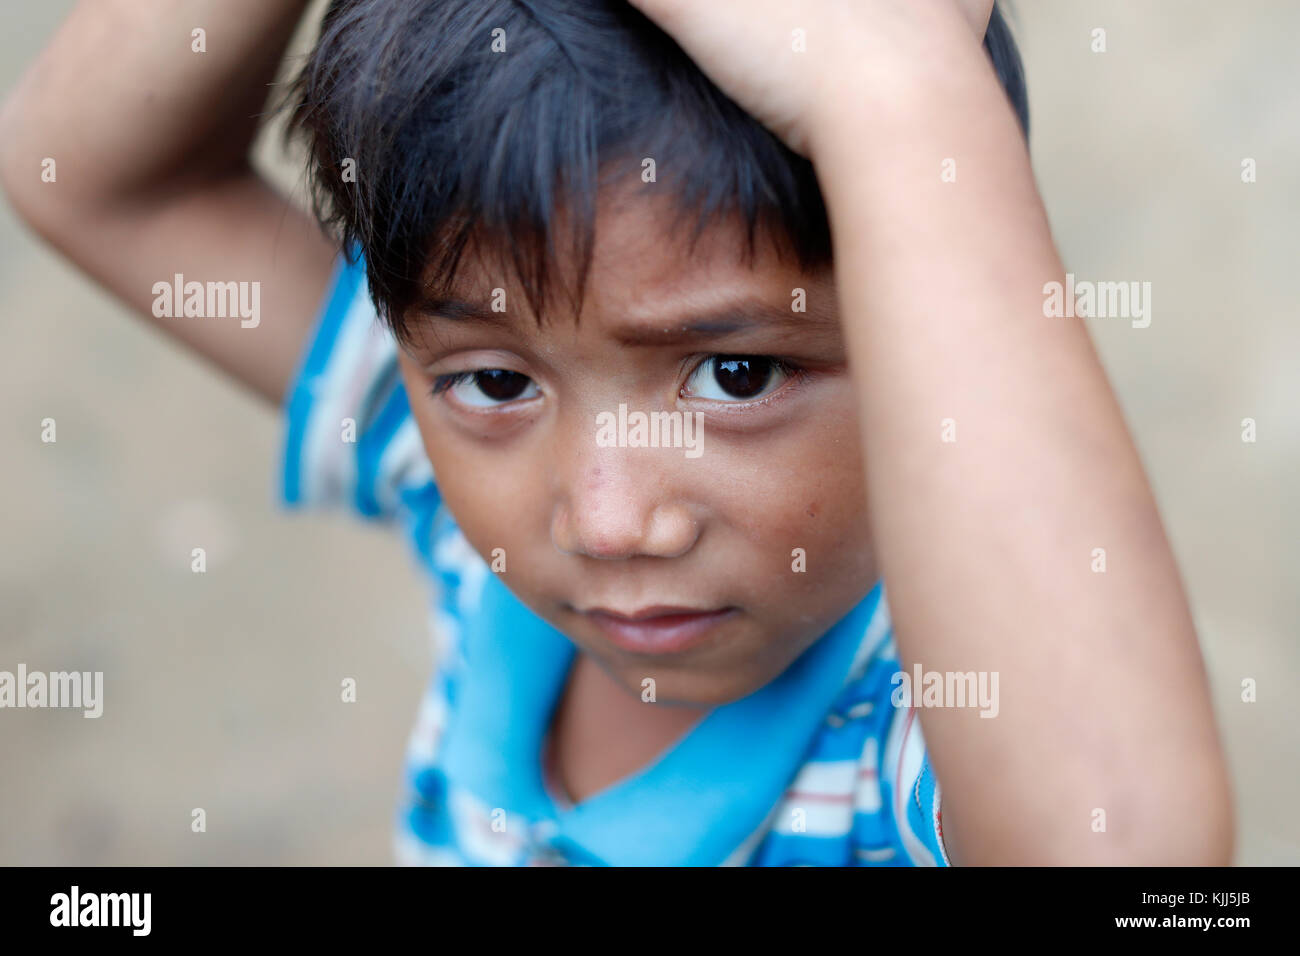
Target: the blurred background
(223, 688)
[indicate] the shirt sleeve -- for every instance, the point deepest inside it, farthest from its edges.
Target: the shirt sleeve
(350, 440)
(913, 792)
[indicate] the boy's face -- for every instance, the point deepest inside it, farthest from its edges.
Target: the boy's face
(613, 542)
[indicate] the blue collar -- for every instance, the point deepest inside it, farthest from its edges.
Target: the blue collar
(692, 807)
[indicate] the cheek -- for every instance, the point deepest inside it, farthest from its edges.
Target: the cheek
(810, 494)
(489, 495)
(487, 492)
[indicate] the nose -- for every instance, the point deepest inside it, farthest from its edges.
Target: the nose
(615, 503)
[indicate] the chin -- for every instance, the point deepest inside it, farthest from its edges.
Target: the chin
(686, 686)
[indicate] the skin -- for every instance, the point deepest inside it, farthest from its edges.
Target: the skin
(152, 148)
(985, 542)
(629, 528)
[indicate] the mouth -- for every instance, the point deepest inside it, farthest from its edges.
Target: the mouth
(659, 629)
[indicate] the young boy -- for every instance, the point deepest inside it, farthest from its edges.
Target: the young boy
(673, 373)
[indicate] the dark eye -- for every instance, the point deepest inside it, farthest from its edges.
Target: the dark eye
(487, 387)
(736, 377)
(501, 385)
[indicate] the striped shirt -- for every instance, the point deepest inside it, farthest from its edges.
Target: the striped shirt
(818, 767)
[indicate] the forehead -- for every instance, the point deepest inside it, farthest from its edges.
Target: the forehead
(647, 257)
(648, 267)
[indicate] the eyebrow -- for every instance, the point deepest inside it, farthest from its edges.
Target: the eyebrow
(746, 315)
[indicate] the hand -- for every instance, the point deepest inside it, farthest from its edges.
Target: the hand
(852, 49)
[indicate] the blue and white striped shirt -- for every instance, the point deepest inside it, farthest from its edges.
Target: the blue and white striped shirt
(818, 767)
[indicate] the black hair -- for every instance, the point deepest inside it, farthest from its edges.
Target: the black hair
(450, 141)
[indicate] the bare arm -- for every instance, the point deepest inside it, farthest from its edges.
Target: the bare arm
(150, 141)
(987, 541)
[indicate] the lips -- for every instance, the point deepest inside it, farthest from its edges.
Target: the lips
(659, 629)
